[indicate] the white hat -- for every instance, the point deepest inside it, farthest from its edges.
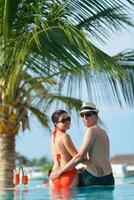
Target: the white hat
(88, 107)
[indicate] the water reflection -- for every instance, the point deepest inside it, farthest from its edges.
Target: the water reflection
(90, 193)
(60, 193)
(14, 194)
(95, 193)
(83, 193)
(21, 194)
(6, 195)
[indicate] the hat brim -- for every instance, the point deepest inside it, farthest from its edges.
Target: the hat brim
(88, 110)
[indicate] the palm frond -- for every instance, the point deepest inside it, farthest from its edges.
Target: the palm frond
(50, 39)
(70, 102)
(42, 117)
(126, 58)
(98, 17)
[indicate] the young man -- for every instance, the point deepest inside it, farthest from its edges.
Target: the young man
(96, 144)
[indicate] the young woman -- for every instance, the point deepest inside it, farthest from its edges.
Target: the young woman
(63, 150)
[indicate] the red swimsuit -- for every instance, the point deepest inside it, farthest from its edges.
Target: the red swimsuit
(65, 179)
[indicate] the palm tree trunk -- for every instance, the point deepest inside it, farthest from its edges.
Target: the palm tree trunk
(7, 160)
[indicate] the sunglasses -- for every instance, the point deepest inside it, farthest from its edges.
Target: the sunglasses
(88, 114)
(64, 120)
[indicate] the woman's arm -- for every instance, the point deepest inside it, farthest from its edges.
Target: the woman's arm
(79, 157)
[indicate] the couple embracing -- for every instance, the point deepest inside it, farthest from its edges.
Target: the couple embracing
(90, 165)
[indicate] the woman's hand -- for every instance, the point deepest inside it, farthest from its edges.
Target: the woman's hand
(55, 174)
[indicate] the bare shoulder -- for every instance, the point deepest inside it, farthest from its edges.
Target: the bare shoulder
(95, 130)
(91, 131)
(102, 133)
(65, 137)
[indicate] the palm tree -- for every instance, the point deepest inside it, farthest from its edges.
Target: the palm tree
(43, 44)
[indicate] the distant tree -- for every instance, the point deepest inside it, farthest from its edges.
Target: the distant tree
(21, 160)
(39, 162)
(42, 161)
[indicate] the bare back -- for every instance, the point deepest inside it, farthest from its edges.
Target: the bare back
(62, 150)
(99, 149)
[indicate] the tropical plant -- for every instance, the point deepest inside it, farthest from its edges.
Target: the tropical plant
(23, 161)
(44, 44)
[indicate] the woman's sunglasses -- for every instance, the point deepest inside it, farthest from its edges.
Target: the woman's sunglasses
(87, 114)
(64, 120)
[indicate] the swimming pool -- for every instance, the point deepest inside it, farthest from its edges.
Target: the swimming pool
(123, 190)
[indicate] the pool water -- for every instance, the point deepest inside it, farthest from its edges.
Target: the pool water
(124, 190)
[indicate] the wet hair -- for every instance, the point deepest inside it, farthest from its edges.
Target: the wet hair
(55, 116)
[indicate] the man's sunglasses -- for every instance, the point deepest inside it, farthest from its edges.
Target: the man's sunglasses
(64, 120)
(87, 114)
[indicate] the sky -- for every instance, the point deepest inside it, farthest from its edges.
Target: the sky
(119, 123)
